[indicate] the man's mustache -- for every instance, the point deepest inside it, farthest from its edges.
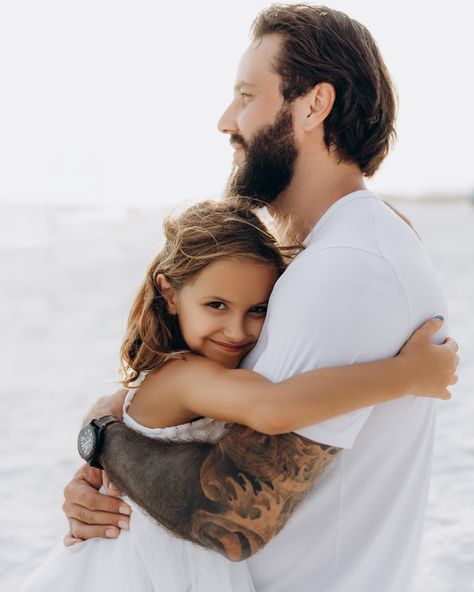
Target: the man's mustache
(238, 139)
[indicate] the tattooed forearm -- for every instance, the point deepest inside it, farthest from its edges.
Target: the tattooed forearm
(232, 496)
(257, 481)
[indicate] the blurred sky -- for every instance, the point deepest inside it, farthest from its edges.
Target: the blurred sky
(113, 101)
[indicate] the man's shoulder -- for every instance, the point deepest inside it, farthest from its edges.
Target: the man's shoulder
(356, 232)
(336, 257)
(348, 225)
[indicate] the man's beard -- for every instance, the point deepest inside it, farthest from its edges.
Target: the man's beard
(269, 162)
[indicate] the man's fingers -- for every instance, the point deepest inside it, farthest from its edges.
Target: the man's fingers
(80, 493)
(90, 513)
(89, 474)
(113, 490)
(69, 540)
(86, 516)
(110, 487)
(79, 530)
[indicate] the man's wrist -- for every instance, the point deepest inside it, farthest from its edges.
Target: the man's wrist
(106, 436)
(90, 441)
(108, 405)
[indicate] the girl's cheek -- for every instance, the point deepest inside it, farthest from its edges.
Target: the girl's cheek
(257, 327)
(262, 322)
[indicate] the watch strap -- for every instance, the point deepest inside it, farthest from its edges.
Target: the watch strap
(100, 424)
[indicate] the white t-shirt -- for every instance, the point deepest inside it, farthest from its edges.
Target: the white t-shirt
(356, 293)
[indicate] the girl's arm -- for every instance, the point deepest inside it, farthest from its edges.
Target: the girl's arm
(206, 388)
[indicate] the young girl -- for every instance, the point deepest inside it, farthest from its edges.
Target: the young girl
(199, 310)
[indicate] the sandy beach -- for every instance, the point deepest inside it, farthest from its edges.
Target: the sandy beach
(68, 278)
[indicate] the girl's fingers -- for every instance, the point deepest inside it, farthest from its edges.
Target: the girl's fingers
(455, 379)
(429, 328)
(452, 343)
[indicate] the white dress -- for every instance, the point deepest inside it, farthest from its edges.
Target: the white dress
(147, 558)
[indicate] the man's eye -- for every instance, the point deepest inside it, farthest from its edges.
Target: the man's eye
(217, 305)
(259, 310)
(245, 95)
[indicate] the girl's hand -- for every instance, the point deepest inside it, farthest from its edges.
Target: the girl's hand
(433, 367)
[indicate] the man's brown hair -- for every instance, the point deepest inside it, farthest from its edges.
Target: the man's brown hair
(324, 45)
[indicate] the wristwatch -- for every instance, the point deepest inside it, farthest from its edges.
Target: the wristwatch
(91, 439)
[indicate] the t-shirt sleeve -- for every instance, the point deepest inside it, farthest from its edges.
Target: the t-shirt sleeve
(333, 307)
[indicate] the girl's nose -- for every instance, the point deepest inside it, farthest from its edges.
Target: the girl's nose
(236, 331)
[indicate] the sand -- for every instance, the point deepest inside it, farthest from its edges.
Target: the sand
(67, 279)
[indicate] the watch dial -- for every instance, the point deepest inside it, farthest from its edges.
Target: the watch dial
(87, 438)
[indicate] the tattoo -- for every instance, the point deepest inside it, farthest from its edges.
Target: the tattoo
(232, 496)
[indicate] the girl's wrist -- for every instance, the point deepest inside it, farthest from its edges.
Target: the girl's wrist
(406, 374)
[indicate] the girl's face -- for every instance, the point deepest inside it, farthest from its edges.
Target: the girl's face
(221, 311)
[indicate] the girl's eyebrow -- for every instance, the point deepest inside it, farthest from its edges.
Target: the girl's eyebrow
(229, 302)
(217, 298)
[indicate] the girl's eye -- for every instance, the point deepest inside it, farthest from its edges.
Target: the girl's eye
(260, 310)
(217, 305)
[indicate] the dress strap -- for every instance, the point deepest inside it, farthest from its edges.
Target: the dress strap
(131, 393)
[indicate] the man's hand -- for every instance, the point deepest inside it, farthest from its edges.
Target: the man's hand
(108, 405)
(90, 513)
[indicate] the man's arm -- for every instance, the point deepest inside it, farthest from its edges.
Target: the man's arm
(232, 496)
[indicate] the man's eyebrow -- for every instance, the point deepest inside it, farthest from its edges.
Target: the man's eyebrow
(242, 83)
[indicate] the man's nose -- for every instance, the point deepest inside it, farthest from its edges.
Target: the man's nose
(227, 123)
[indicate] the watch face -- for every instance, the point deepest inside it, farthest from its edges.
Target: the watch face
(87, 442)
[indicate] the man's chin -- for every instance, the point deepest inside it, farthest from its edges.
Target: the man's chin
(239, 158)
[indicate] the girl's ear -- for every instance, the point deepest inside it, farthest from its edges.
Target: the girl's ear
(168, 293)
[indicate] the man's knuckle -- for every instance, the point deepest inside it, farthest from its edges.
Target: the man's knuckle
(67, 490)
(74, 528)
(90, 501)
(88, 516)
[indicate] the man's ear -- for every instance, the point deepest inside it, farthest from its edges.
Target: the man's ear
(168, 293)
(315, 106)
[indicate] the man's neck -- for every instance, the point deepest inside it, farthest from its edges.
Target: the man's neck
(315, 187)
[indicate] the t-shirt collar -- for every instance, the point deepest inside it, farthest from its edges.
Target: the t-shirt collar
(330, 211)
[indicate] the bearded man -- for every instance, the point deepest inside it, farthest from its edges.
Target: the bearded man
(312, 115)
